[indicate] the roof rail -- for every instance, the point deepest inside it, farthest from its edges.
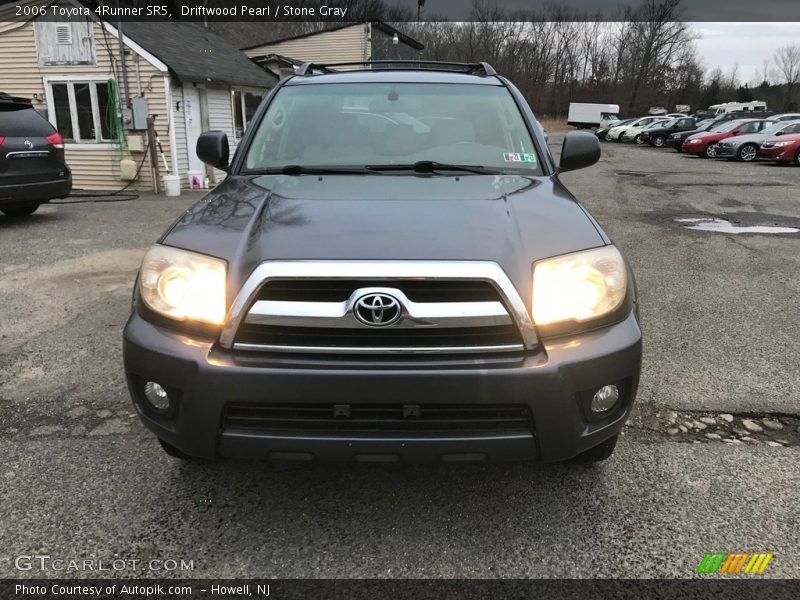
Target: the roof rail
(480, 68)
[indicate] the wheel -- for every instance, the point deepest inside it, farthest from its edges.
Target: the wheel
(747, 152)
(19, 211)
(709, 151)
(797, 159)
(658, 141)
(638, 139)
(598, 453)
(174, 452)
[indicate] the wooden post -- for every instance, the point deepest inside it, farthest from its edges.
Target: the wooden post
(151, 145)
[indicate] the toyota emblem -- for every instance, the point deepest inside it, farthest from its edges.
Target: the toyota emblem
(377, 310)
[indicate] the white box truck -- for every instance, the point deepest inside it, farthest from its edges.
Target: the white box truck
(583, 114)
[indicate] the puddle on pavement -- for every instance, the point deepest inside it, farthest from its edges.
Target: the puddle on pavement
(718, 225)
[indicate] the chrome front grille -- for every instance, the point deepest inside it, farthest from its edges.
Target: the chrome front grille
(378, 307)
(339, 290)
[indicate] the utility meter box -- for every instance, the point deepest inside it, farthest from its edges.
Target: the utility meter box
(139, 109)
(135, 142)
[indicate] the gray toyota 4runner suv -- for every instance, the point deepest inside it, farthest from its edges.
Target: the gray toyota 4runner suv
(391, 271)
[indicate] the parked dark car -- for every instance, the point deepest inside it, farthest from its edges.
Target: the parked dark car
(32, 166)
(675, 140)
(657, 136)
(391, 271)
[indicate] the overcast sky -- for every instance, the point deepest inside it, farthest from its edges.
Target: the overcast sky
(748, 44)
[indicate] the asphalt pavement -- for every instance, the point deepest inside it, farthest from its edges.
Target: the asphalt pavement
(81, 478)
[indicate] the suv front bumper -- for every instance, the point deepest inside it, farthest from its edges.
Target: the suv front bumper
(554, 382)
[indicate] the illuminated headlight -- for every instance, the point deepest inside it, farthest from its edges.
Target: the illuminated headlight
(183, 285)
(578, 287)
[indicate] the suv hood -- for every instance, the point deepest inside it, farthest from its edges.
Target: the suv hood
(511, 220)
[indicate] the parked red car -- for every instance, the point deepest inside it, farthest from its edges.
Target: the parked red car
(704, 144)
(782, 149)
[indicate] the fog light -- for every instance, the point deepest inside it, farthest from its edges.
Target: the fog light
(605, 399)
(156, 395)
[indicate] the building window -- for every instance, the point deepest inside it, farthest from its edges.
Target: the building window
(81, 110)
(244, 107)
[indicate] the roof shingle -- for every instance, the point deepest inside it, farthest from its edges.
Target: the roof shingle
(193, 53)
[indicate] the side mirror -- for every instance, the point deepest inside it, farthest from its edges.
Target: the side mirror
(213, 149)
(778, 133)
(579, 149)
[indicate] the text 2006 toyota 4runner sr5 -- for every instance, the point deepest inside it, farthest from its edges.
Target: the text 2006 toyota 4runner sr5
(391, 271)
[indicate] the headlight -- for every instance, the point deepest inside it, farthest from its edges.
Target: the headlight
(781, 144)
(578, 287)
(183, 285)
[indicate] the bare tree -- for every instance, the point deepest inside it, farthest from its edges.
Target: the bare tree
(787, 62)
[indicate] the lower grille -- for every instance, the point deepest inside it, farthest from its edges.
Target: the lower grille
(378, 418)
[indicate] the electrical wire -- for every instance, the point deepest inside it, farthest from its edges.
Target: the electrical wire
(117, 135)
(118, 196)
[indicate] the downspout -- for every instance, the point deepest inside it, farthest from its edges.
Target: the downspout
(173, 144)
(120, 37)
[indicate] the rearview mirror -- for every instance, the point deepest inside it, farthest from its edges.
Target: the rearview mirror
(579, 149)
(213, 149)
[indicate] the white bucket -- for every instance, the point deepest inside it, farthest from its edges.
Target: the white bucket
(195, 180)
(172, 185)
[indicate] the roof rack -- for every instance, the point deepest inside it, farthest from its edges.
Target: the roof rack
(480, 68)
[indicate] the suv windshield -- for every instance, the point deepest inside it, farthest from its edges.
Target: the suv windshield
(384, 124)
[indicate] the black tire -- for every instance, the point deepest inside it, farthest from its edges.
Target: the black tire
(658, 141)
(19, 211)
(637, 139)
(747, 153)
(174, 452)
(710, 151)
(797, 159)
(598, 453)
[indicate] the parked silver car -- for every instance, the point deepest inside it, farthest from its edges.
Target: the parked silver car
(745, 147)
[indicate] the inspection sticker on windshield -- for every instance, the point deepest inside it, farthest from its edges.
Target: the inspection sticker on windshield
(517, 157)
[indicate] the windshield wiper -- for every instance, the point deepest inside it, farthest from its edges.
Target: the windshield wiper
(312, 170)
(431, 166)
